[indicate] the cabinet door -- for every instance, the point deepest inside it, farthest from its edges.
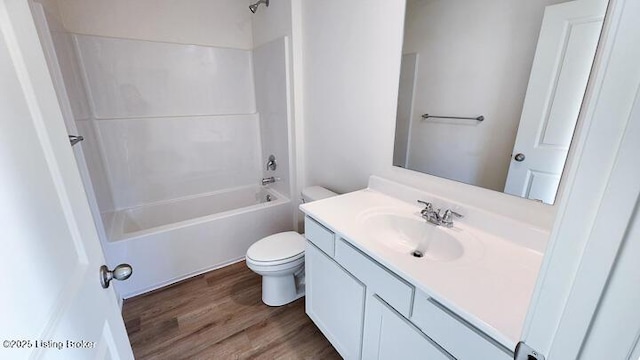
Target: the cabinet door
(388, 335)
(335, 302)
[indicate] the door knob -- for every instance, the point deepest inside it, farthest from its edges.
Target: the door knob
(74, 139)
(120, 272)
(519, 157)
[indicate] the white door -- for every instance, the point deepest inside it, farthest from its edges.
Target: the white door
(53, 305)
(328, 288)
(586, 299)
(617, 320)
(559, 75)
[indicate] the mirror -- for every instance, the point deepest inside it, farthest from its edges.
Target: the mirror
(490, 90)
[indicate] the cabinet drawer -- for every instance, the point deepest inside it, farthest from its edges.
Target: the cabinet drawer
(319, 235)
(395, 291)
(455, 335)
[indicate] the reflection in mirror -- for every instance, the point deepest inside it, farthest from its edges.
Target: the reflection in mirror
(502, 82)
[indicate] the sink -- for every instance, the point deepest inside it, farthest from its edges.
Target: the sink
(411, 235)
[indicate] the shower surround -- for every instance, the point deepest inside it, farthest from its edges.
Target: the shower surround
(176, 140)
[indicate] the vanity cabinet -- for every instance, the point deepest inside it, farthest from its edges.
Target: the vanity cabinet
(378, 280)
(368, 312)
(453, 333)
(334, 301)
(389, 336)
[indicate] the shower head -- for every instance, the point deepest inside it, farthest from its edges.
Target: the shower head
(254, 7)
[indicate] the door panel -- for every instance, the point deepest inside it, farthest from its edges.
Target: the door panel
(335, 302)
(595, 211)
(561, 68)
(51, 252)
(390, 336)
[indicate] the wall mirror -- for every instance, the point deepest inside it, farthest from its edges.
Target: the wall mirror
(490, 90)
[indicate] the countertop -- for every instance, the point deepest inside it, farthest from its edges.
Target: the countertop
(491, 289)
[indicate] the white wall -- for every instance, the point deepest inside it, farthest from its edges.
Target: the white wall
(132, 78)
(273, 22)
(173, 120)
(52, 10)
(222, 23)
(135, 80)
(82, 115)
(351, 68)
(282, 18)
(351, 71)
(406, 91)
(475, 59)
(149, 81)
(158, 159)
(66, 72)
(272, 100)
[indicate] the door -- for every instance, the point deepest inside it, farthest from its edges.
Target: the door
(617, 320)
(388, 335)
(588, 276)
(334, 301)
(559, 75)
(53, 305)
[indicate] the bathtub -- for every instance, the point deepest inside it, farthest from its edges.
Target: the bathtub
(171, 241)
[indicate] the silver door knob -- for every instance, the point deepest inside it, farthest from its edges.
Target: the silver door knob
(519, 157)
(74, 139)
(120, 272)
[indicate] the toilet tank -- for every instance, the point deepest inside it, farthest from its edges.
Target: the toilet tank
(314, 193)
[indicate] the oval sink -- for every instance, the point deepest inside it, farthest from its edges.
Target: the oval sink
(413, 236)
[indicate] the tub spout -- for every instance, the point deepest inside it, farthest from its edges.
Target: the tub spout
(269, 180)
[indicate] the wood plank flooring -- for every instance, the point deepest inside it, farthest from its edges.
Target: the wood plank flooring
(220, 315)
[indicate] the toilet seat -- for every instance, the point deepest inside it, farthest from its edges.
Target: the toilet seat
(277, 249)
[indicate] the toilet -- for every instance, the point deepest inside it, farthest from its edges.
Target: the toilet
(279, 259)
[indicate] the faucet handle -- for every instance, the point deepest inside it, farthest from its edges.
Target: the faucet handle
(427, 205)
(271, 163)
(428, 209)
(449, 212)
(446, 221)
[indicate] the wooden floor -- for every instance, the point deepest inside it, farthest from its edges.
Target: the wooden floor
(220, 315)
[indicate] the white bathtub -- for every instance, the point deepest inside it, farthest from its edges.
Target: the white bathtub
(170, 241)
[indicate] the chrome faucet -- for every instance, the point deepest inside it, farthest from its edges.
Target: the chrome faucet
(436, 216)
(269, 180)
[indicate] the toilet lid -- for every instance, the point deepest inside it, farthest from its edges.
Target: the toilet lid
(277, 247)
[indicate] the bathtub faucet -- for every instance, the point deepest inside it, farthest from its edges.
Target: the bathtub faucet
(269, 180)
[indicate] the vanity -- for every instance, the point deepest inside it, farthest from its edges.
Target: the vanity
(382, 283)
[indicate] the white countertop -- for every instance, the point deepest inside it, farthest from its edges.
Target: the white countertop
(491, 289)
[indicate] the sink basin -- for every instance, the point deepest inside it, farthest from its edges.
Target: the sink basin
(413, 236)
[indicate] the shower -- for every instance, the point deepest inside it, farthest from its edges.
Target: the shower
(254, 7)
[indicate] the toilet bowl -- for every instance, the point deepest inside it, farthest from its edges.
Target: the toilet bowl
(279, 259)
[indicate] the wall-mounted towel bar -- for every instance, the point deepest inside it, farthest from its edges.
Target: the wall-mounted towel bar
(477, 118)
